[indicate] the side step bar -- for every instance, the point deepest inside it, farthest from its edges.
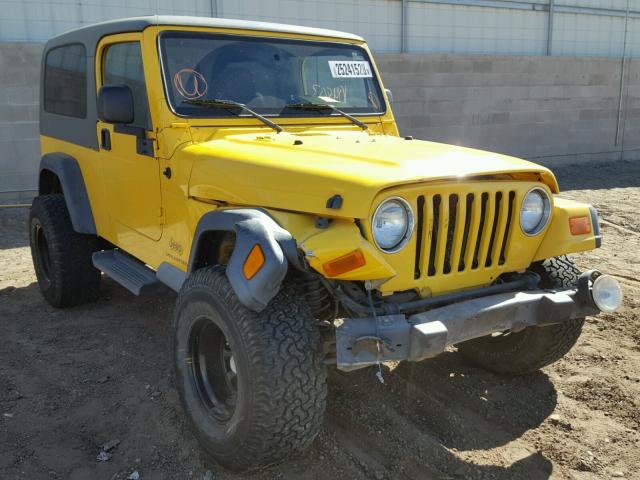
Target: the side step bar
(126, 270)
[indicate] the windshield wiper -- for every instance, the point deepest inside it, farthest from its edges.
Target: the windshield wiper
(327, 106)
(215, 102)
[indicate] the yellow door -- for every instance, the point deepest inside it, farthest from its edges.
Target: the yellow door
(130, 167)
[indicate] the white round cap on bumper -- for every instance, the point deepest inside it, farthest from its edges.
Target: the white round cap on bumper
(606, 293)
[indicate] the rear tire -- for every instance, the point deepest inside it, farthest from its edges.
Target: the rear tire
(253, 385)
(535, 347)
(61, 256)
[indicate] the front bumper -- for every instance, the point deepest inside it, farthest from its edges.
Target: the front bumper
(361, 342)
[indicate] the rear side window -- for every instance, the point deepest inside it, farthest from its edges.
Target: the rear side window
(123, 65)
(65, 81)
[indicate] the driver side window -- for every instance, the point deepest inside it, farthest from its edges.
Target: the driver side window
(123, 65)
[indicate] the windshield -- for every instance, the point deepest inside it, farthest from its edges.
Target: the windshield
(270, 76)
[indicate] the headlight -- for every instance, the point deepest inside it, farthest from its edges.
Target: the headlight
(392, 224)
(535, 212)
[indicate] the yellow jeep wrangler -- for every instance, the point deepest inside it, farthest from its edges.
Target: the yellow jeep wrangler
(257, 170)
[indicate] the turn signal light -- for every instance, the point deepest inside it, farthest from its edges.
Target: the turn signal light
(253, 263)
(345, 263)
(579, 225)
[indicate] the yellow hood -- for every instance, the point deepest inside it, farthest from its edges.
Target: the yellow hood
(300, 172)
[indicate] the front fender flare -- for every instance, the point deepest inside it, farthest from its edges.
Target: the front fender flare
(251, 227)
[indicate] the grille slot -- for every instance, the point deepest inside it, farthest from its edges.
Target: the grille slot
(494, 228)
(465, 236)
(435, 215)
(507, 230)
(419, 230)
(483, 216)
(463, 231)
(453, 212)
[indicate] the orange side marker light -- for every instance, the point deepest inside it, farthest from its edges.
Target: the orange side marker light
(253, 263)
(345, 263)
(579, 225)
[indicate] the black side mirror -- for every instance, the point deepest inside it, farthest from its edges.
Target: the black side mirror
(115, 104)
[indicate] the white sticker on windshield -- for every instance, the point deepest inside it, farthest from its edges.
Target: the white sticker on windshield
(350, 69)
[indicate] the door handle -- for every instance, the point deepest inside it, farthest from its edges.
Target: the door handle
(105, 139)
(167, 172)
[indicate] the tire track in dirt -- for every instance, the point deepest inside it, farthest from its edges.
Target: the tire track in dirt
(413, 455)
(373, 457)
(626, 277)
(360, 420)
(409, 431)
(467, 420)
(450, 384)
(476, 426)
(619, 227)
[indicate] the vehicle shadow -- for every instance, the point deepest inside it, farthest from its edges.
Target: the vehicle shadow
(507, 404)
(426, 415)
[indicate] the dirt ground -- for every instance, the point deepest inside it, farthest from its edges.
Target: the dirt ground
(73, 380)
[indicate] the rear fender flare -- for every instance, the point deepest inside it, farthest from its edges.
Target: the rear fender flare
(68, 171)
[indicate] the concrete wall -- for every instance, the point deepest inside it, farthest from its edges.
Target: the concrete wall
(19, 147)
(551, 109)
(488, 27)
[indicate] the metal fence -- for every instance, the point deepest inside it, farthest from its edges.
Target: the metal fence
(609, 28)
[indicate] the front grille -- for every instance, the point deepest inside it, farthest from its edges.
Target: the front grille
(462, 231)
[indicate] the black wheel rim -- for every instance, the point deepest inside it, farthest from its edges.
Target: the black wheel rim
(213, 369)
(42, 252)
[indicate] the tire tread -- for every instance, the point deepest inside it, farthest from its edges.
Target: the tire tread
(289, 389)
(74, 279)
(535, 347)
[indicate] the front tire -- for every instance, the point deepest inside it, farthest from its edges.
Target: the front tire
(61, 256)
(534, 347)
(253, 385)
